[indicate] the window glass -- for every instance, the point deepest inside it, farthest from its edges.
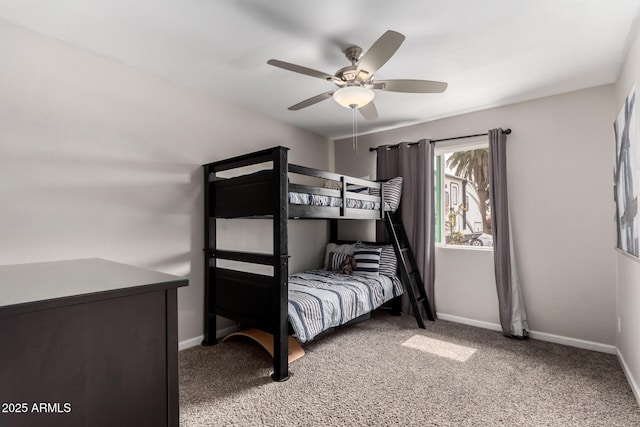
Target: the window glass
(454, 194)
(465, 218)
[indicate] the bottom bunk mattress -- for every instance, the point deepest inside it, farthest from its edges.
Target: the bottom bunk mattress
(321, 299)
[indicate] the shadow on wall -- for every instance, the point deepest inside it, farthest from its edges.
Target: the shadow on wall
(87, 203)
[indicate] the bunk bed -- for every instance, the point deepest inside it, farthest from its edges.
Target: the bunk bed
(267, 302)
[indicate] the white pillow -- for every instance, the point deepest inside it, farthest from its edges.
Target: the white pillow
(334, 185)
(342, 249)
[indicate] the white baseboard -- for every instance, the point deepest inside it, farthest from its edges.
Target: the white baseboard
(627, 372)
(574, 342)
(542, 336)
(191, 342)
(470, 322)
(195, 341)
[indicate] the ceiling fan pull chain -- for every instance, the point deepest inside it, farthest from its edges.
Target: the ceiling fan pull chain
(355, 127)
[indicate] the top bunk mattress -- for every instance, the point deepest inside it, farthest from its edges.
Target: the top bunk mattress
(336, 202)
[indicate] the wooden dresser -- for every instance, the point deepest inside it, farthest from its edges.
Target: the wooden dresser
(88, 342)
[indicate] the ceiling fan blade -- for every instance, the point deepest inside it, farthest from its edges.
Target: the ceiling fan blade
(410, 86)
(380, 52)
(311, 101)
(300, 69)
(369, 111)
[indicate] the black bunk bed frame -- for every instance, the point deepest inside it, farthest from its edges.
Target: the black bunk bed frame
(260, 301)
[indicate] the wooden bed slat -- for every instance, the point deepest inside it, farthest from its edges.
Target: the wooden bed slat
(243, 160)
(303, 170)
(307, 189)
(250, 257)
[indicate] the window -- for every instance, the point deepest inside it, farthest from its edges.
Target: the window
(454, 194)
(463, 216)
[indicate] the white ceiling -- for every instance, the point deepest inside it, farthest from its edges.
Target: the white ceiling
(491, 52)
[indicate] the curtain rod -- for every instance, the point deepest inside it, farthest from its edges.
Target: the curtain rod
(506, 131)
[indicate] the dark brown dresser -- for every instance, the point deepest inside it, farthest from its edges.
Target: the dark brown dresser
(88, 342)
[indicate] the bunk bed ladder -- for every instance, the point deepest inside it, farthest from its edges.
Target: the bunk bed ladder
(409, 274)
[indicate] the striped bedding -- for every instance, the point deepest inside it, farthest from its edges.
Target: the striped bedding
(392, 193)
(319, 200)
(320, 299)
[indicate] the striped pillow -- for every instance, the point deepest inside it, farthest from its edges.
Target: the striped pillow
(335, 260)
(388, 260)
(367, 261)
(392, 192)
(357, 188)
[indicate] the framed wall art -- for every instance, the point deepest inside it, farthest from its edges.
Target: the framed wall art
(626, 177)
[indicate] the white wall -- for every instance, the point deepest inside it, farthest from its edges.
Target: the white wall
(559, 173)
(98, 159)
(627, 267)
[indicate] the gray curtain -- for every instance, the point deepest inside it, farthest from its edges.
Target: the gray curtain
(513, 318)
(417, 205)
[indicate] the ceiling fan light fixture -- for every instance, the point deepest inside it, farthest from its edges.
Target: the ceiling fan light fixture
(353, 96)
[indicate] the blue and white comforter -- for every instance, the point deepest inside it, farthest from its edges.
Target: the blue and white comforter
(320, 299)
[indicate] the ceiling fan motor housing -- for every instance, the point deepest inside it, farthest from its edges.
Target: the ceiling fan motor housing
(350, 74)
(347, 74)
(353, 54)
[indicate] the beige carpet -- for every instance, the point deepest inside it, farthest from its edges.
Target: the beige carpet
(387, 372)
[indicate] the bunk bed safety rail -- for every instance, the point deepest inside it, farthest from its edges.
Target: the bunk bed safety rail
(350, 188)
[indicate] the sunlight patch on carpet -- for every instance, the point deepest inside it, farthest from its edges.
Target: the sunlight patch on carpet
(456, 352)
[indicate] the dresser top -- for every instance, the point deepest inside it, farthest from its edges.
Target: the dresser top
(49, 284)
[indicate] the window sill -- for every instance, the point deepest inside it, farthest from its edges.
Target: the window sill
(465, 248)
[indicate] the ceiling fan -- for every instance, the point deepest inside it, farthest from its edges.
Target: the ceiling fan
(356, 82)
